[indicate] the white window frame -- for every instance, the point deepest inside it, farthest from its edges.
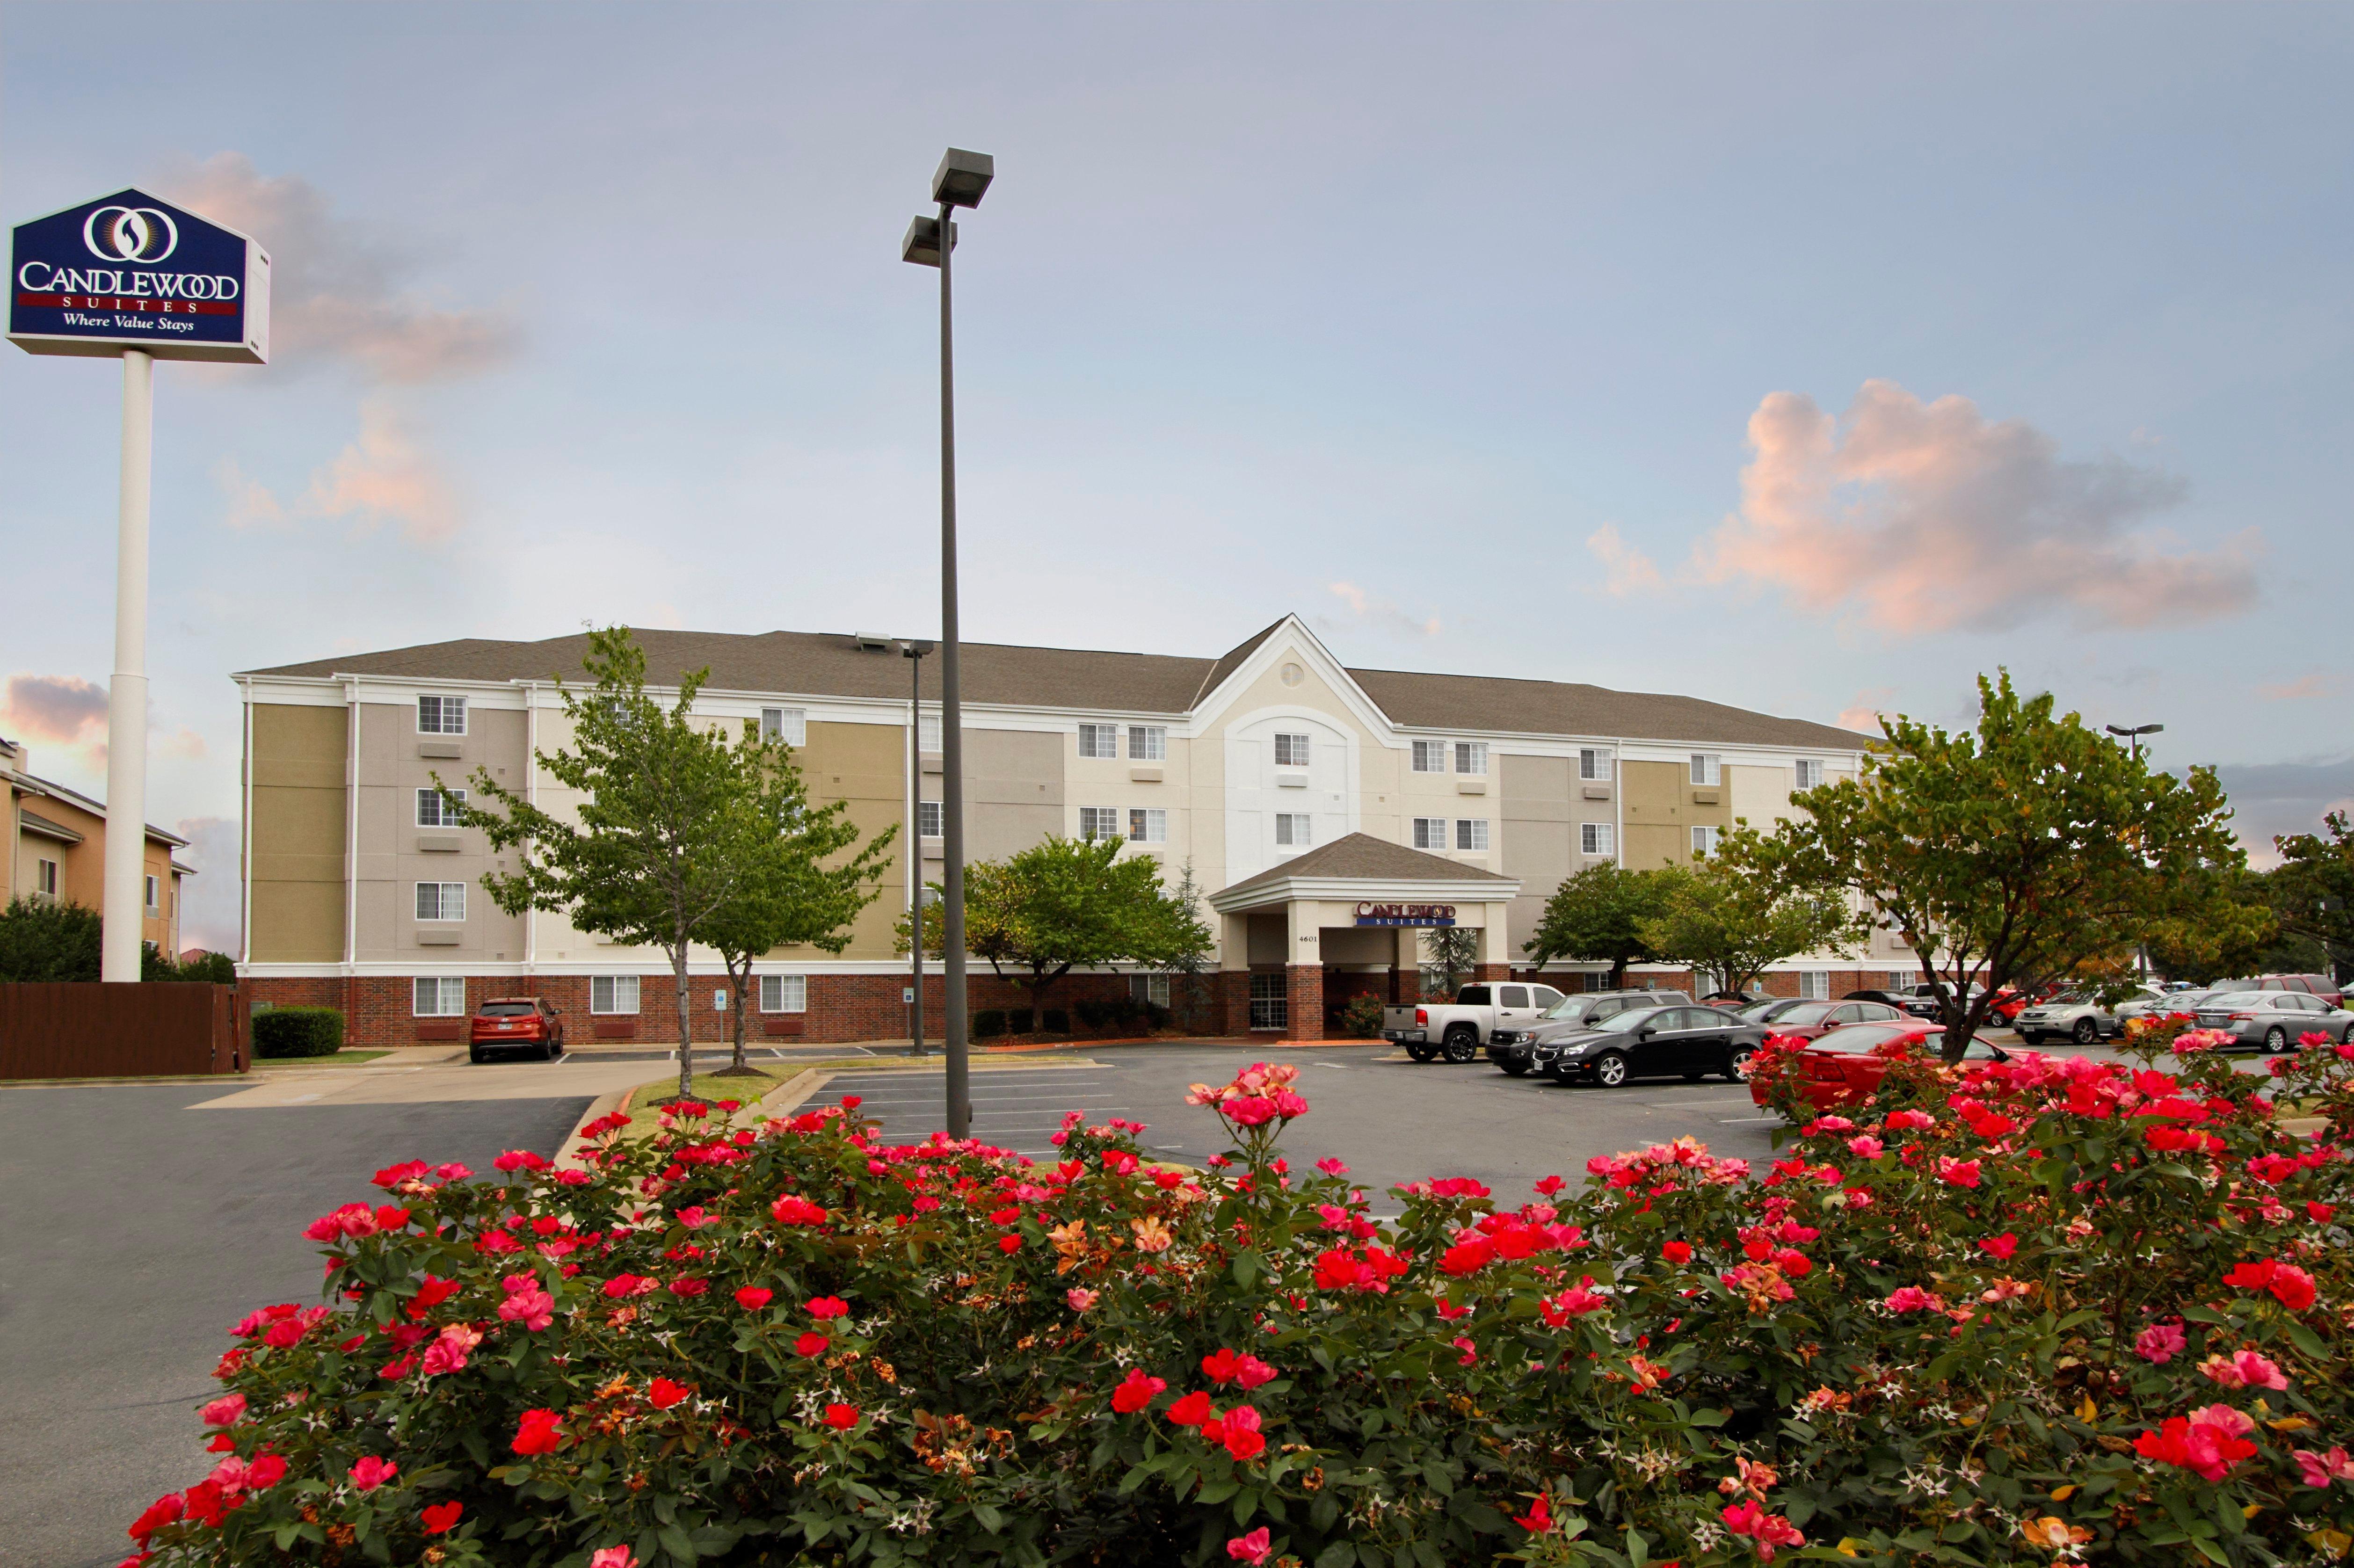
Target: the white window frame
(1099, 740)
(1815, 985)
(1430, 757)
(154, 891)
(1707, 769)
(928, 819)
(1148, 825)
(1270, 1001)
(1471, 834)
(44, 877)
(437, 996)
(1471, 758)
(1594, 763)
(1155, 989)
(1810, 772)
(443, 709)
(787, 724)
(446, 896)
(1290, 741)
(1101, 823)
(1294, 829)
(616, 989)
(430, 799)
(1705, 837)
(784, 993)
(927, 734)
(1430, 833)
(1598, 838)
(1148, 743)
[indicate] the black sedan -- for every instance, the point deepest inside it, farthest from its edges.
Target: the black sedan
(1686, 1042)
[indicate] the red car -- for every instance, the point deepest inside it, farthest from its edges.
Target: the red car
(512, 1022)
(2321, 986)
(1844, 1072)
(1813, 1020)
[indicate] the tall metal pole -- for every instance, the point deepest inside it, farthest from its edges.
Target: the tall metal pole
(915, 840)
(959, 1074)
(126, 694)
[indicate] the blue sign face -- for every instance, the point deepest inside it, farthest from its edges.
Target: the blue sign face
(130, 272)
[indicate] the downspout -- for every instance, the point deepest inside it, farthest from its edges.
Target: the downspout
(531, 798)
(245, 840)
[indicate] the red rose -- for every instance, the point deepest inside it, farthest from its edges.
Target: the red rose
(1136, 1391)
(1674, 1251)
(842, 1417)
(1193, 1410)
(811, 1344)
(752, 1297)
(441, 1517)
(537, 1433)
(662, 1393)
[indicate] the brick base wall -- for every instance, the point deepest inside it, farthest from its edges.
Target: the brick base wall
(1304, 983)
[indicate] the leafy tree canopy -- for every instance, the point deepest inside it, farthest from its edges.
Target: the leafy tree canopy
(42, 939)
(1725, 917)
(2312, 888)
(1597, 917)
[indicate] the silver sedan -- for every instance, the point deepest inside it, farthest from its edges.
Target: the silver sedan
(2273, 1020)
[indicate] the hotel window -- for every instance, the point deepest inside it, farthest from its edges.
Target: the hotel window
(1430, 757)
(434, 812)
(1811, 773)
(787, 724)
(154, 896)
(1101, 823)
(45, 878)
(1815, 985)
(1704, 837)
(441, 996)
(784, 993)
(1471, 834)
(1470, 756)
(1099, 740)
(928, 732)
(1903, 980)
(1291, 830)
(613, 994)
(1148, 825)
(1598, 838)
(1270, 1003)
(1705, 767)
(1593, 762)
(441, 901)
(1147, 742)
(441, 715)
(1430, 832)
(1152, 988)
(927, 818)
(1291, 751)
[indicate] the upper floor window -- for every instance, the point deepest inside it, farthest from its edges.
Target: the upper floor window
(927, 818)
(1430, 757)
(787, 724)
(436, 810)
(784, 993)
(1811, 772)
(1470, 756)
(154, 896)
(441, 901)
(1707, 768)
(928, 732)
(1471, 834)
(1101, 823)
(1099, 740)
(441, 715)
(1291, 751)
(1148, 825)
(1291, 830)
(45, 878)
(1430, 832)
(1593, 762)
(1705, 838)
(613, 994)
(1147, 742)
(1596, 838)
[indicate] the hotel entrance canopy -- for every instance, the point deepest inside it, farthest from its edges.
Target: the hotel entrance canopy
(1360, 902)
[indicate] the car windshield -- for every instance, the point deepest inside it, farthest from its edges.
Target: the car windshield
(1805, 1014)
(1569, 1007)
(507, 1009)
(1633, 1018)
(1772, 1007)
(2239, 999)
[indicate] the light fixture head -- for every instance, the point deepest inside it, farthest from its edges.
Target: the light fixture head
(921, 243)
(962, 178)
(915, 647)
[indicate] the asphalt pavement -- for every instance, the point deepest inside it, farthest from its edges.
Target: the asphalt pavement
(132, 1236)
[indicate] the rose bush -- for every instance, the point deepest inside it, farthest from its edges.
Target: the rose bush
(2054, 1310)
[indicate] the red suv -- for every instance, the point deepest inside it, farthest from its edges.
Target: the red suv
(507, 1022)
(2321, 986)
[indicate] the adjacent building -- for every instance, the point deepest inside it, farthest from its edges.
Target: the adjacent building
(1328, 815)
(57, 850)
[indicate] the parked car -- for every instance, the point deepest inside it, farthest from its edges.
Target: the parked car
(1458, 1028)
(1509, 1046)
(1813, 1020)
(517, 1023)
(1733, 998)
(1686, 1042)
(1920, 999)
(1772, 1008)
(2078, 1016)
(2164, 1004)
(2271, 1020)
(2322, 986)
(1843, 1070)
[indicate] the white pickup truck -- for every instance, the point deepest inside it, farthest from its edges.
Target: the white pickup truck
(1458, 1028)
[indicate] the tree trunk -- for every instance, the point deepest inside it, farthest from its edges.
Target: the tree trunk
(1618, 974)
(738, 983)
(686, 1022)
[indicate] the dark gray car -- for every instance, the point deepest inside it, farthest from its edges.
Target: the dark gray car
(2271, 1020)
(1688, 1042)
(1511, 1048)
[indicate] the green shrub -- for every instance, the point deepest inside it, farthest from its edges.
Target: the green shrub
(298, 1031)
(1362, 1017)
(1018, 1020)
(1056, 1022)
(42, 939)
(989, 1024)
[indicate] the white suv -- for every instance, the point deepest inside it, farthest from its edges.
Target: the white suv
(2075, 1014)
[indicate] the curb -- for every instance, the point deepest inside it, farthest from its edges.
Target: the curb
(789, 1096)
(162, 1081)
(567, 1154)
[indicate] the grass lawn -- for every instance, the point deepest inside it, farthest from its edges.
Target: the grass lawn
(339, 1059)
(709, 1087)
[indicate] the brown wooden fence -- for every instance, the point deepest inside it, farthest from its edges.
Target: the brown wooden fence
(92, 1030)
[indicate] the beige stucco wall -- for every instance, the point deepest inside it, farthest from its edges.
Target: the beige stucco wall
(391, 861)
(296, 877)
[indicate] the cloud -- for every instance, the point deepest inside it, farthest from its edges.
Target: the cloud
(1382, 612)
(1930, 518)
(1630, 571)
(62, 710)
(1863, 713)
(212, 902)
(2305, 688)
(338, 291)
(2271, 798)
(383, 476)
(252, 504)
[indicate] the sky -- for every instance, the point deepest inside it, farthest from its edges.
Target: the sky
(1812, 359)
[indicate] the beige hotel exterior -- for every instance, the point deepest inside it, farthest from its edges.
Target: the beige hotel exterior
(1305, 795)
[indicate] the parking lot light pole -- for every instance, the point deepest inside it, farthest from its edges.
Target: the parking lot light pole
(914, 648)
(962, 180)
(2135, 735)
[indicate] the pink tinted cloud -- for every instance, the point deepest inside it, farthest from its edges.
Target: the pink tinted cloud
(1628, 570)
(1929, 517)
(63, 710)
(2305, 688)
(1382, 612)
(384, 475)
(1863, 713)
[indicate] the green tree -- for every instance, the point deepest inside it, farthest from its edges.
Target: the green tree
(2313, 888)
(1065, 903)
(42, 939)
(1597, 917)
(2009, 855)
(1191, 994)
(1453, 955)
(792, 884)
(1725, 917)
(655, 852)
(2232, 932)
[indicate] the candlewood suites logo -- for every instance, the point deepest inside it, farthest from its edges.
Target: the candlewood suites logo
(130, 234)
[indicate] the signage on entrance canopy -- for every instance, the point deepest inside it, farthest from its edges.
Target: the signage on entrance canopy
(130, 272)
(1405, 914)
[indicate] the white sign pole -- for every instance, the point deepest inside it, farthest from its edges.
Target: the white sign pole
(126, 694)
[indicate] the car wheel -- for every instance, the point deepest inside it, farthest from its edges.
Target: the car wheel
(1514, 1069)
(475, 1057)
(2030, 1037)
(1462, 1044)
(1419, 1053)
(1736, 1066)
(2086, 1031)
(1610, 1069)
(2276, 1038)
(550, 1050)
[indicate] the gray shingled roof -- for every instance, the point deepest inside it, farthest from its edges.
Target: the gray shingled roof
(833, 664)
(1362, 855)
